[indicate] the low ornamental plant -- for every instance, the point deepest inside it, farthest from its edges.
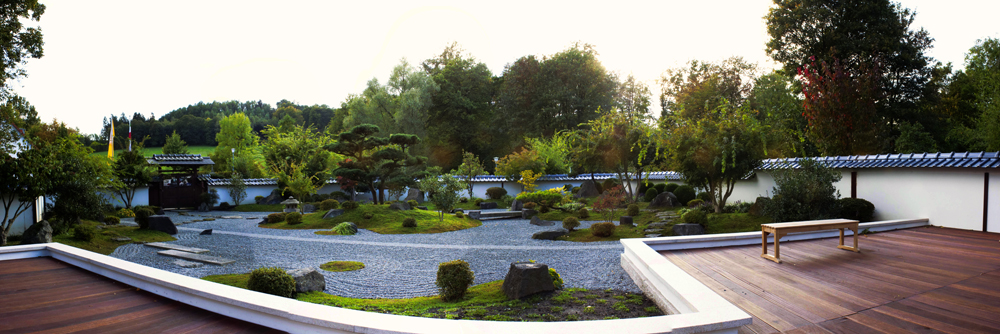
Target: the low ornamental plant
(602, 230)
(273, 281)
(583, 213)
(570, 223)
(633, 210)
(609, 201)
(409, 222)
(454, 279)
(557, 280)
(142, 217)
(329, 204)
(275, 218)
(293, 218)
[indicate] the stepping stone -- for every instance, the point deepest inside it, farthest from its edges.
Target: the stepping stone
(121, 239)
(196, 257)
(231, 217)
(176, 247)
(188, 264)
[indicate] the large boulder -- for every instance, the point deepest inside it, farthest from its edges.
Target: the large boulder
(307, 280)
(487, 205)
(308, 208)
(162, 224)
(37, 233)
(475, 214)
(273, 198)
(525, 279)
(550, 234)
(399, 206)
(528, 213)
(333, 213)
(539, 222)
(516, 205)
(415, 194)
(688, 229)
(665, 199)
(587, 189)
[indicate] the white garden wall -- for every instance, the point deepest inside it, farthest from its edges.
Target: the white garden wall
(948, 197)
(28, 217)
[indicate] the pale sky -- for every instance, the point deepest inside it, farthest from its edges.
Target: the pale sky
(109, 57)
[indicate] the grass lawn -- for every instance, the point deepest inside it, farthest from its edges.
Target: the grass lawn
(258, 208)
(149, 151)
(621, 232)
(102, 242)
(488, 302)
(383, 221)
(342, 266)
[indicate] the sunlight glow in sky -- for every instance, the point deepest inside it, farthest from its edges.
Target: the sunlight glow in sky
(109, 57)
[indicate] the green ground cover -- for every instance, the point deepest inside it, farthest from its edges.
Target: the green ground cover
(644, 217)
(102, 242)
(383, 221)
(337, 266)
(258, 208)
(204, 150)
(621, 232)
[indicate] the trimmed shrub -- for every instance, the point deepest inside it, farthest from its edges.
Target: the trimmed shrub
(506, 200)
(695, 203)
(477, 201)
(273, 281)
(599, 187)
(543, 197)
(349, 205)
(224, 205)
(345, 228)
(84, 232)
(602, 229)
(856, 209)
(705, 196)
(142, 217)
(125, 213)
(496, 192)
(293, 218)
(329, 204)
(669, 187)
(463, 200)
(576, 190)
(409, 222)
(804, 193)
(651, 193)
(413, 204)
(339, 195)
(367, 215)
(633, 210)
(645, 185)
(556, 279)
(684, 193)
(258, 198)
(111, 220)
(460, 214)
(571, 223)
(530, 205)
(738, 207)
(583, 213)
(695, 217)
(275, 218)
(544, 209)
(453, 279)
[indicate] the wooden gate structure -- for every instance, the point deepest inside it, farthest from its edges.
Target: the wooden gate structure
(177, 186)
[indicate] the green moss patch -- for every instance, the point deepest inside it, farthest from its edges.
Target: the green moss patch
(383, 221)
(644, 217)
(621, 232)
(258, 208)
(237, 280)
(102, 243)
(342, 266)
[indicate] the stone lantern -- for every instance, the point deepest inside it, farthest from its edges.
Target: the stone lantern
(291, 204)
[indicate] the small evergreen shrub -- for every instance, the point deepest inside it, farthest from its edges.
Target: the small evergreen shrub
(705, 196)
(349, 205)
(856, 209)
(684, 193)
(293, 218)
(759, 206)
(409, 222)
(111, 220)
(142, 217)
(346, 228)
(695, 203)
(368, 215)
(651, 194)
(273, 281)
(413, 204)
(695, 217)
(570, 223)
(633, 210)
(530, 205)
(339, 195)
(544, 209)
(84, 232)
(583, 213)
(453, 279)
(224, 205)
(738, 207)
(329, 204)
(610, 183)
(556, 279)
(460, 214)
(463, 200)
(645, 185)
(258, 199)
(125, 213)
(477, 201)
(576, 189)
(496, 192)
(506, 200)
(602, 229)
(275, 218)
(668, 187)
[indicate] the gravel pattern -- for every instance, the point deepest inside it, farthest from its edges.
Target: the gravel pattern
(396, 265)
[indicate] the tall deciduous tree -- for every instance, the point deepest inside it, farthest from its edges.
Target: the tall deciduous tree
(470, 168)
(400, 106)
(235, 133)
(18, 42)
(840, 108)
(693, 91)
(22, 180)
(299, 149)
(632, 99)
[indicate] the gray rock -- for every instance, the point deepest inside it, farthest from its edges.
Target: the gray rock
(587, 189)
(516, 205)
(550, 234)
(664, 200)
(525, 279)
(120, 239)
(402, 206)
(308, 208)
(307, 280)
(206, 232)
(159, 211)
(204, 207)
(188, 264)
(422, 207)
(475, 214)
(162, 224)
(528, 213)
(273, 198)
(539, 222)
(415, 194)
(37, 233)
(329, 214)
(689, 229)
(657, 225)
(487, 205)
(626, 221)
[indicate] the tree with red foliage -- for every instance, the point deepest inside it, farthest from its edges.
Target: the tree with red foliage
(841, 107)
(609, 201)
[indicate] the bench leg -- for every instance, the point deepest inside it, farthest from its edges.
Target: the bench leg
(763, 247)
(853, 249)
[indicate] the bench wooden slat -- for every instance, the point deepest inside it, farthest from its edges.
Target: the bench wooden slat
(781, 229)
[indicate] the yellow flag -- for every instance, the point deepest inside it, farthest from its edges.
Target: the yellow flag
(111, 142)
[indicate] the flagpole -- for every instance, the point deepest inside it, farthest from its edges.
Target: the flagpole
(130, 135)
(111, 139)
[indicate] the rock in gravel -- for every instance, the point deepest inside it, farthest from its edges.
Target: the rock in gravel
(516, 205)
(188, 264)
(525, 279)
(399, 206)
(162, 224)
(308, 279)
(37, 233)
(539, 222)
(206, 232)
(550, 234)
(329, 214)
(689, 229)
(528, 213)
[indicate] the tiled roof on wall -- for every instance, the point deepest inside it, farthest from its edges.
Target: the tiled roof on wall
(180, 159)
(581, 177)
(911, 160)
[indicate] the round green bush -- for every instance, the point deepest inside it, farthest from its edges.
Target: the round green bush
(695, 217)
(293, 218)
(258, 198)
(651, 193)
(125, 213)
(705, 196)
(684, 193)
(856, 209)
(84, 232)
(695, 203)
(645, 185)
(453, 279)
(633, 210)
(610, 183)
(477, 201)
(602, 229)
(349, 205)
(275, 218)
(368, 215)
(459, 214)
(557, 280)
(329, 204)
(530, 205)
(273, 281)
(571, 223)
(583, 213)
(142, 217)
(112, 220)
(409, 222)
(495, 192)
(224, 206)
(668, 187)
(463, 200)
(413, 204)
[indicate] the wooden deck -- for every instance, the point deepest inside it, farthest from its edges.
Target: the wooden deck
(920, 280)
(50, 296)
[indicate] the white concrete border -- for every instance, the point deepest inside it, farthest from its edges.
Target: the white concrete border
(302, 317)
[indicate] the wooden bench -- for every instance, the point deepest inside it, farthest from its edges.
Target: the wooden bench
(781, 229)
